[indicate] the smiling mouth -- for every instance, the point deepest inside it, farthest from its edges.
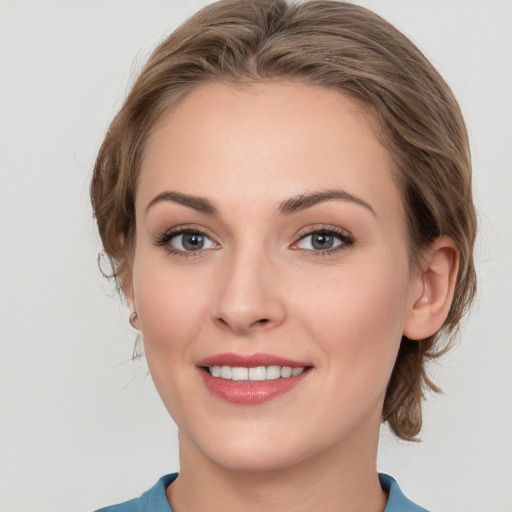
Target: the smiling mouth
(252, 385)
(251, 379)
(253, 374)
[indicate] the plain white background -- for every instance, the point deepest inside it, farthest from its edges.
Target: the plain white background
(81, 425)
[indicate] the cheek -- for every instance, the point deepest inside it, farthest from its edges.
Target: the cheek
(171, 305)
(172, 309)
(357, 319)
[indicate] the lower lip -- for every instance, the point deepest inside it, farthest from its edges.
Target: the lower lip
(250, 392)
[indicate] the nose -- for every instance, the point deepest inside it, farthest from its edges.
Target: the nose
(249, 296)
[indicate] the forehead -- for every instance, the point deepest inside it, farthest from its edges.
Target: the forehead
(269, 140)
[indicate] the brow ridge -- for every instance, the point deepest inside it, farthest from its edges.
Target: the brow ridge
(201, 204)
(287, 207)
(309, 199)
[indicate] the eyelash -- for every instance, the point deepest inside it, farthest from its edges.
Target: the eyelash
(345, 238)
(164, 239)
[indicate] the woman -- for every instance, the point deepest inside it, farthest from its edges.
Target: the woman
(285, 198)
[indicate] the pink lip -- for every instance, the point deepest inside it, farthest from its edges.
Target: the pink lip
(254, 392)
(249, 360)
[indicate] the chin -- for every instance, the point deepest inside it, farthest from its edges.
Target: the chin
(254, 460)
(264, 448)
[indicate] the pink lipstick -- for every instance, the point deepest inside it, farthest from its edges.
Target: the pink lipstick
(251, 379)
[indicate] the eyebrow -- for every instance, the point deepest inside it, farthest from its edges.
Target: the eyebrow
(287, 207)
(308, 200)
(201, 204)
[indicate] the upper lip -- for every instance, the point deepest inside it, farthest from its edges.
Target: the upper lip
(249, 360)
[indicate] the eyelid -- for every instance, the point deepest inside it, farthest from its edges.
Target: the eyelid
(346, 238)
(324, 228)
(163, 240)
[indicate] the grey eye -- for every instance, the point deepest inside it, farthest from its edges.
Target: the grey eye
(322, 241)
(319, 242)
(191, 242)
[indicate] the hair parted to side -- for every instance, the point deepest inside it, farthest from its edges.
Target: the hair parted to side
(331, 44)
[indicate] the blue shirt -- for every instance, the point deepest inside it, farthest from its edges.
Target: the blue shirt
(155, 500)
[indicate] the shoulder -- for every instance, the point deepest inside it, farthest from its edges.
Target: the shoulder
(397, 501)
(153, 500)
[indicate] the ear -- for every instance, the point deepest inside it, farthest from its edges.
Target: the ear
(431, 304)
(127, 284)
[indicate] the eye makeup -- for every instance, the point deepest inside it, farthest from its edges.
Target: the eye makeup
(188, 240)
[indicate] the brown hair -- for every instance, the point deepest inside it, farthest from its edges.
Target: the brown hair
(331, 44)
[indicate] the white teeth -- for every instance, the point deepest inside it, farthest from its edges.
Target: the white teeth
(256, 373)
(273, 372)
(286, 372)
(239, 373)
(225, 372)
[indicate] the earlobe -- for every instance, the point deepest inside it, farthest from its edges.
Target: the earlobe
(439, 275)
(133, 319)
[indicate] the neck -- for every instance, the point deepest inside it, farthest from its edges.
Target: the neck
(343, 479)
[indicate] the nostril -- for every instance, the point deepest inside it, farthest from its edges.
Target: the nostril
(243, 324)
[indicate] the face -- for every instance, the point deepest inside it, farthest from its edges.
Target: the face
(270, 275)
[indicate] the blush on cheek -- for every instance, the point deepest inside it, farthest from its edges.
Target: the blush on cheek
(167, 297)
(362, 320)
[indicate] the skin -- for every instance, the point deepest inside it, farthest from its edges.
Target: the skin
(259, 286)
